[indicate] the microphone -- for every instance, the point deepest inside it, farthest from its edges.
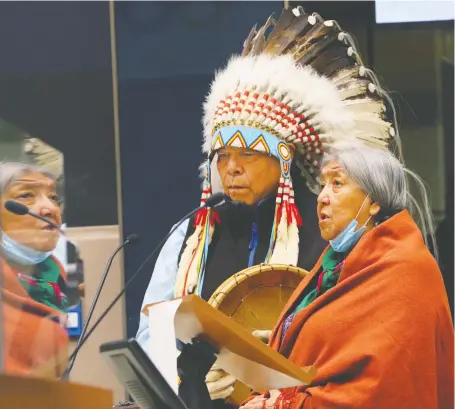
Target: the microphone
(21, 210)
(212, 201)
(131, 238)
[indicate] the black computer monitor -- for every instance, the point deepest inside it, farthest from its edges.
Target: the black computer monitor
(139, 376)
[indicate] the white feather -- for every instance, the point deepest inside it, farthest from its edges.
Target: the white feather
(302, 85)
(187, 255)
(279, 255)
(193, 244)
(293, 244)
(365, 105)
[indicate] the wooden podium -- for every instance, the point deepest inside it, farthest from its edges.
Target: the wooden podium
(22, 392)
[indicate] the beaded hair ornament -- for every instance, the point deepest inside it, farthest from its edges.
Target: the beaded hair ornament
(298, 90)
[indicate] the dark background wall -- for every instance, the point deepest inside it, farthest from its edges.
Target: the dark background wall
(56, 84)
(167, 53)
(444, 233)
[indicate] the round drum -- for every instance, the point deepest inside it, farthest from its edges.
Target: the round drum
(255, 298)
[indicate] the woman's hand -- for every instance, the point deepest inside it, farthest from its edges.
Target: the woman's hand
(264, 335)
(263, 402)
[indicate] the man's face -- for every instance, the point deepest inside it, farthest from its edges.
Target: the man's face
(248, 175)
(38, 192)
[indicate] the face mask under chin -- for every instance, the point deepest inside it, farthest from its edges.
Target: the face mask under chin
(19, 253)
(349, 237)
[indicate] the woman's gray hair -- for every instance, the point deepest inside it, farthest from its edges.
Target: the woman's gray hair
(386, 180)
(11, 171)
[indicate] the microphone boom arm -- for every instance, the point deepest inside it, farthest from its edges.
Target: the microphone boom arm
(212, 201)
(68, 369)
(127, 284)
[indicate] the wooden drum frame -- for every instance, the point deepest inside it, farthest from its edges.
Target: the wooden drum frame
(255, 298)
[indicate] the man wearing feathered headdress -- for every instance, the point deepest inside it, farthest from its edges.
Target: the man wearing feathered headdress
(269, 117)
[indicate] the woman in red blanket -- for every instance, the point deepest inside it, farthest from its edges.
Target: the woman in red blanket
(372, 316)
(32, 280)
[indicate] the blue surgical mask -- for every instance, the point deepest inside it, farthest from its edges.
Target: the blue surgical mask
(21, 254)
(349, 236)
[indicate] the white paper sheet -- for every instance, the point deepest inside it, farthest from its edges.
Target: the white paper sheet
(163, 351)
(252, 374)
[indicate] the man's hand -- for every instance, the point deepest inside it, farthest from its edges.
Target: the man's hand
(219, 383)
(263, 335)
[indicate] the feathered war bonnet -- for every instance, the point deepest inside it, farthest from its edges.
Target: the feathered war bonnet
(295, 93)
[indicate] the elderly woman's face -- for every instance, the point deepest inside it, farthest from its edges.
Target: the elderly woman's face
(38, 192)
(339, 202)
(248, 175)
